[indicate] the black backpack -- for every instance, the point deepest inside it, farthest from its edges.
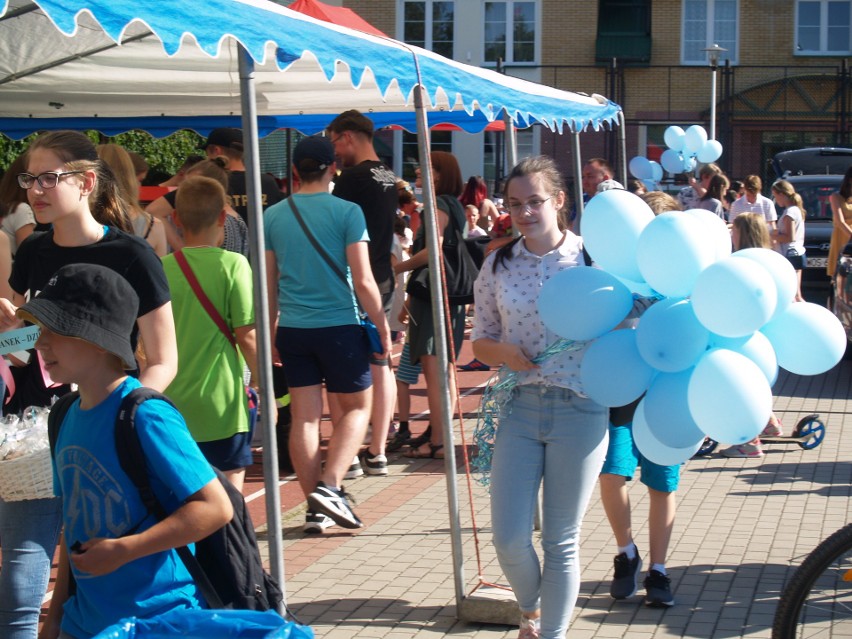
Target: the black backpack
(226, 567)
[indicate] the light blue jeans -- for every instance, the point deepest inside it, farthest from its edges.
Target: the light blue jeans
(550, 435)
(29, 531)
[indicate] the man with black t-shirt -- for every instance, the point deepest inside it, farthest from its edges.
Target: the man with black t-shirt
(367, 182)
(228, 143)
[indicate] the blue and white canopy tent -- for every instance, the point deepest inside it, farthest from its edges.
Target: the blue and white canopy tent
(164, 65)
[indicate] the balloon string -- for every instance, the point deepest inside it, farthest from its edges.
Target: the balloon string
(495, 403)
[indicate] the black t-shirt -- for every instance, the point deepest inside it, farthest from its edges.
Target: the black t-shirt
(372, 186)
(39, 257)
(269, 190)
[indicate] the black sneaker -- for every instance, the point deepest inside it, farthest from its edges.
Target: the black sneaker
(373, 465)
(333, 503)
(625, 582)
(658, 590)
(400, 439)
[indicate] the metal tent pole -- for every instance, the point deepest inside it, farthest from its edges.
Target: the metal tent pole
(436, 285)
(578, 179)
(268, 407)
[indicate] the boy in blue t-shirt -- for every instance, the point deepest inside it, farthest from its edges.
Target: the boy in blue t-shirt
(123, 561)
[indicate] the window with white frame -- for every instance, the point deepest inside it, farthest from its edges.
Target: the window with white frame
(708, 22)
(429, 24)
(510, 32)
(823, 27)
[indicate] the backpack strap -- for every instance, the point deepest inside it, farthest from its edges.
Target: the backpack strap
(132, 460)
(56, 416)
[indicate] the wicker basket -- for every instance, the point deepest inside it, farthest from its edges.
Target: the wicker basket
(27, 477)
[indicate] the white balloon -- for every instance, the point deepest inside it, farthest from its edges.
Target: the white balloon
(611, 224)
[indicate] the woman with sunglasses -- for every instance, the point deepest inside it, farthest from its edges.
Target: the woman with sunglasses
(71, 189)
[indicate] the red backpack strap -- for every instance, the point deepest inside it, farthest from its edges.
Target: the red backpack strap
(180, 258)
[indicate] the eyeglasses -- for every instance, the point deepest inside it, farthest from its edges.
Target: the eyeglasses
(533, 206)
(46, 180)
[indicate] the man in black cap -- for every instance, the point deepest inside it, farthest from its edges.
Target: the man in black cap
(367, 182)
(316, 254)
(228, 143)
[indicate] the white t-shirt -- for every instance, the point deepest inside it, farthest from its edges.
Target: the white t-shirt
(21, 216)
(798, 243)
(762, 205)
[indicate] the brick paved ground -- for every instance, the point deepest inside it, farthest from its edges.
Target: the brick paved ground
(742, 526)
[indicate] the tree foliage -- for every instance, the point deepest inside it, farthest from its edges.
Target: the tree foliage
(164, 155)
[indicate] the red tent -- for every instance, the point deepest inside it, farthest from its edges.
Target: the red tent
(335, 15)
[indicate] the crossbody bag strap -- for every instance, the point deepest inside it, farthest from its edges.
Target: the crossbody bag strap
(195, 285)
(322, 252)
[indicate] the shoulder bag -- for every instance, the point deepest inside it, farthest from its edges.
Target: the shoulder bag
(366, 323)
(459, 267)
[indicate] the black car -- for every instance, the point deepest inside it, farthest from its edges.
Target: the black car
(815, 174)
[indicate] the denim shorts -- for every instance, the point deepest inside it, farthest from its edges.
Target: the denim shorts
(230, 453)
(622, 458)
(336, 355)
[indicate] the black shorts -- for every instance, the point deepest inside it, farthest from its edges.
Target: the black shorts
(798, 261)
(336, 355)
(231, 453)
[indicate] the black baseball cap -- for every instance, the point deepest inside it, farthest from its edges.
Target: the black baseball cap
(316, 148)
(226, 137)
(89, 302)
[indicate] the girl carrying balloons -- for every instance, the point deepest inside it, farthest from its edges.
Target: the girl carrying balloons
(549, 431)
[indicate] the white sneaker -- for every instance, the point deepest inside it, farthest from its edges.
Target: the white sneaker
(743, 450)
(355, 470)
(333, 503)
(316, 522)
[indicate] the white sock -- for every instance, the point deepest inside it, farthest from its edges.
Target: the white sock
(629, 550)
(660, 568)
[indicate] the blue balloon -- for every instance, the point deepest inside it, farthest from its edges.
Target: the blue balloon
(656, 171)
(689, 164)
(808, 339)
(674, 138)
(640, 168)
(667, 410)
(782, 272)
(652, 448)
(756, 347)
(710, 152)
(639, 288)
(669, 336)
(672, 251)
(612, 371)
(729, 397)
(610, 226)
(672, 161)
(583, 303)
(650, 185)
(694, 139)
(715, 231)
(734, 297)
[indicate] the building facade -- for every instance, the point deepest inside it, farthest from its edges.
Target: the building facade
(783, 82)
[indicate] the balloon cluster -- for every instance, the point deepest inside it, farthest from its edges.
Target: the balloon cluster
(708, 351)
(648, 171)
(688, 148)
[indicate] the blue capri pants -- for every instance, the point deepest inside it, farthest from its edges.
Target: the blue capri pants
(554, 436)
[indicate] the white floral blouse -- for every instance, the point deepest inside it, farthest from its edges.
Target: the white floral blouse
(506, 309)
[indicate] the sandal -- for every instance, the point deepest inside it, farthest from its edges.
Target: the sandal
(417, 442)
(434, 449)
(400, 439)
